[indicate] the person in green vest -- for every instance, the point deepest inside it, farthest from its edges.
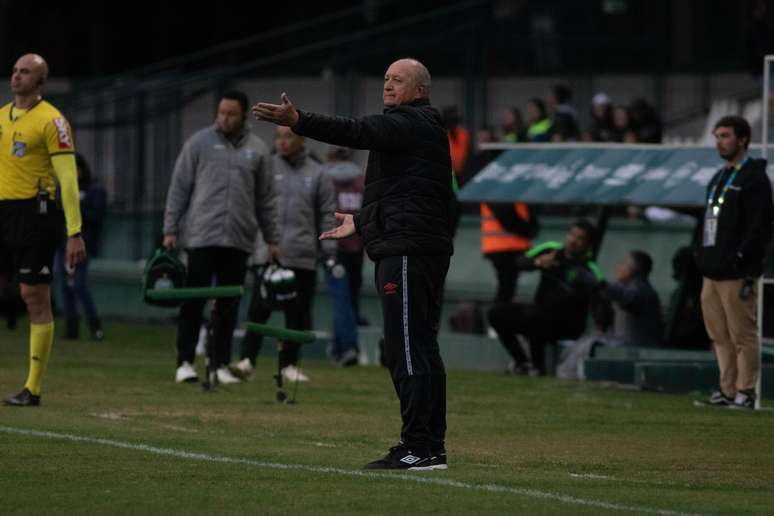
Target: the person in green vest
(540, 124)
(570, 283)
(513, 126)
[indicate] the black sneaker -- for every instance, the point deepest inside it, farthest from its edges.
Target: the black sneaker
(438, 460)
(718, 399)
(402, 457)
(24, 399)
(349, 358)
(744, 399)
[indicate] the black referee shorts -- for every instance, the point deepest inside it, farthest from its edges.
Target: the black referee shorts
(28, 240)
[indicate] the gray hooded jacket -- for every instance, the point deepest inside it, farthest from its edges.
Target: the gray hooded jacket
(306, 201)
(222, 192)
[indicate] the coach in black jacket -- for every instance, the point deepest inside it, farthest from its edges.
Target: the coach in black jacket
(737, 229)
(406, 229)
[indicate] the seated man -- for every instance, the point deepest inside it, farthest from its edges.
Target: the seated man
(568, 281)
(637, 320)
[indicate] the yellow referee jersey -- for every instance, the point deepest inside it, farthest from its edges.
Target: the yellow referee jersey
(28, 139)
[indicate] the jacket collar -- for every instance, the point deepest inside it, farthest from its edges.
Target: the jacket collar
(296, 161)
(235, 141)
(425, 101)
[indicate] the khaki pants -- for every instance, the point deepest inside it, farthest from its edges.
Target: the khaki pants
(732, 324)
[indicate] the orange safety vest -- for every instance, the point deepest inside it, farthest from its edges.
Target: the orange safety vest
(494, 238)
(459, 147)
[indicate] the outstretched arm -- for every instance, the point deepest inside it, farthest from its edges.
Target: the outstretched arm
(390, 131)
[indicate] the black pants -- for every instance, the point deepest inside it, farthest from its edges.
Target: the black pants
(410, 291)
(353, 264)
(228, 266)
(298, 316)
(536, 325)
(507, 273)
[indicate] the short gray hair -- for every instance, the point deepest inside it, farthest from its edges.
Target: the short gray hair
(421, 74)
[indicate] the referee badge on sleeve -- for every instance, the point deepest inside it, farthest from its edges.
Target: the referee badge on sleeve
(63, 133)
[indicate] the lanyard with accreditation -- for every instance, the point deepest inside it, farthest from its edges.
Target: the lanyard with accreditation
(715, 205)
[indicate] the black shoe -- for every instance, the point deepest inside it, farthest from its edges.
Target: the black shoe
(402, 457)
(348, 358)
(718, 399)
(96, 330)
(438, 459)
(744, 399)
(71, 329)
(362, 321)
(24, 399)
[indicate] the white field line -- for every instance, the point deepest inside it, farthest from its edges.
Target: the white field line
(416, 477)
(592, 476)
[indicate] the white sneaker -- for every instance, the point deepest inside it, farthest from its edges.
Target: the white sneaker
(244, 369)
(186, 373)
(294, 374)
(225, 376)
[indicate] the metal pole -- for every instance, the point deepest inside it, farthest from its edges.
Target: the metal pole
(764, 144)
(759, 383)
(765, 100)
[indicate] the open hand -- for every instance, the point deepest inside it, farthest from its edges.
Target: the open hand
(345, 228)
(280, 114)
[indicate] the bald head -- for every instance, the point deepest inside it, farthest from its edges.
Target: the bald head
(405, 81)
(29, 74)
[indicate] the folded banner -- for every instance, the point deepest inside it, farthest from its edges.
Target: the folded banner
(597, 174)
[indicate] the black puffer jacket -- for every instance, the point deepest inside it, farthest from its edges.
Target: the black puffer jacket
(408, 194)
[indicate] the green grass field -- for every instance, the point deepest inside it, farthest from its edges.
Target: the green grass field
(115, 435)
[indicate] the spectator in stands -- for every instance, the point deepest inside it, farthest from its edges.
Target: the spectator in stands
(459, 140)
(602, 128)
(569, 282)
(565, 126)
(306, 201)
(512, 125)
(539, 129)
(349, 183)
(480, 158)
(645, 122)
(637, 320)
(622, 127)
(737, 228)
(74, 283)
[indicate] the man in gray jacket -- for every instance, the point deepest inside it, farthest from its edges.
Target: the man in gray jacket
(221, 191)
(306, 200)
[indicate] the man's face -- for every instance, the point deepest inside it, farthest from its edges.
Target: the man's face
(27, 76)
(400, 84)
(727, 144)
(625, 269)
(231, 118)
(288, 143)
(576, 242)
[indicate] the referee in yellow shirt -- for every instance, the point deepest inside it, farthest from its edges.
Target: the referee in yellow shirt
(36, 150)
